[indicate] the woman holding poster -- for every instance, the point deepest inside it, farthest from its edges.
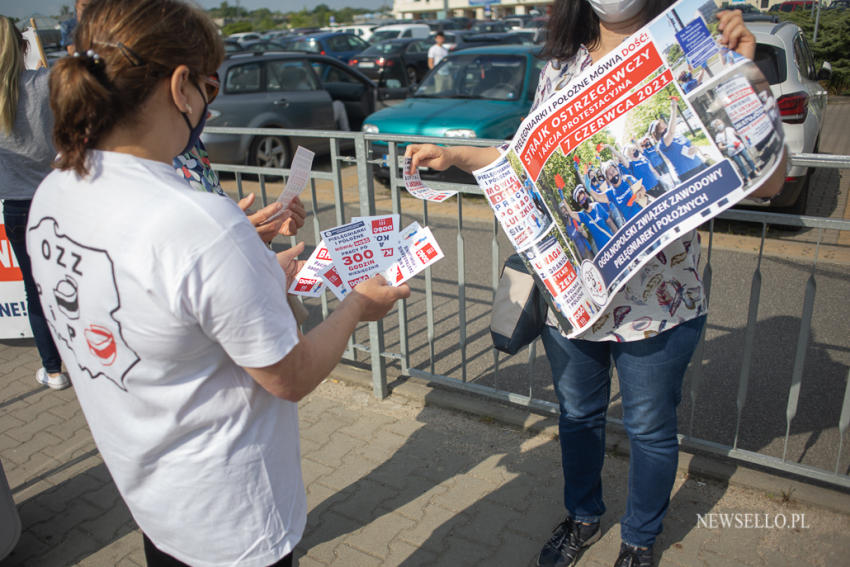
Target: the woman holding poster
(649, 337)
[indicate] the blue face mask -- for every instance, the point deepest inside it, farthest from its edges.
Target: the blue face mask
(195, 131)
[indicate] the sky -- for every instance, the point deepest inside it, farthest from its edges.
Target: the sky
(26, 8)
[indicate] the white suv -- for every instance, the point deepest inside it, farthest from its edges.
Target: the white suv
(784, 56)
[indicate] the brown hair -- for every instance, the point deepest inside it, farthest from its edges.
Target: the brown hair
(573, 23)
(12, 47)
(130, 45)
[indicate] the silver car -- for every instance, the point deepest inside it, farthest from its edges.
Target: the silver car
(784, 56)
(284, 90)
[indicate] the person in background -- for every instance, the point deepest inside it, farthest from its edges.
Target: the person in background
(649, 151)
(688, 81)
(184, 353)
(678, 150)
(731, 144)
(68, 26)
(649, 342)
(595, 216)
(437, 52)
(633, 162)
(626, 192)
(26, 154)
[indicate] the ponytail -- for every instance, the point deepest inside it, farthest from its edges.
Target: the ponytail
(83, 109)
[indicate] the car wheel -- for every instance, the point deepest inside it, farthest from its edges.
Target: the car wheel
(411, 76)
(269, 151)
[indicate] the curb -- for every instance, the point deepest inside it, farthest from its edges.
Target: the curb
(782, 488)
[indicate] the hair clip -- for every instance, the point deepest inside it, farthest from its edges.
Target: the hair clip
(90, 54)
(131, 55)
(128, 53)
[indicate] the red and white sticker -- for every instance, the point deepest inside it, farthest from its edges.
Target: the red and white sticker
(415, 254)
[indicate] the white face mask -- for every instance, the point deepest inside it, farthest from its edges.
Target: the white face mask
(615, 11)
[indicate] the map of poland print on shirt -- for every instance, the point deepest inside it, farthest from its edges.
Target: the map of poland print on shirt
(76, 285)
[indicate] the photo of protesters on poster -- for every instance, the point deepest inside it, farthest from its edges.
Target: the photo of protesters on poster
(743, 120)
(649, 142)
(686, 36)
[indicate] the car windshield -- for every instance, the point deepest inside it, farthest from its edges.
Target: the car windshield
(492, 77)
(771, 62)
(384, 48)
(382, 35)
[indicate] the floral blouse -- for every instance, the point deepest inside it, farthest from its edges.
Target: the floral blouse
(195, 168)
(668, 289)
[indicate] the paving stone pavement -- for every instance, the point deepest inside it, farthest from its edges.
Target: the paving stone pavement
(395, 482)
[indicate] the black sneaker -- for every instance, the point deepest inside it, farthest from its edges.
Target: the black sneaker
(631, 556)
(569, 539)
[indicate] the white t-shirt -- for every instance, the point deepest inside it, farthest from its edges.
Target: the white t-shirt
(729, 138)
(157, 295)
(437, 52)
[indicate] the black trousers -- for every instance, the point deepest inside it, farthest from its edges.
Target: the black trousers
(156, 558)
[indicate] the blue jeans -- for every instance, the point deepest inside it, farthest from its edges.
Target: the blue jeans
(15, 215)
(650, 372)
(743, 159)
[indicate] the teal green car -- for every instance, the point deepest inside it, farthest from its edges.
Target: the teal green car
(483, 92)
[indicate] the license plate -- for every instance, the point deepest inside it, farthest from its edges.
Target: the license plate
(366, 64)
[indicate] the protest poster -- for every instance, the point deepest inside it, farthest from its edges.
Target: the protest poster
(384, 229)
(34, 57)
(308, 281)
(639, 149)
(299, 175)
(14, 319)
(417, 251)
(413, 184)
(354, 252)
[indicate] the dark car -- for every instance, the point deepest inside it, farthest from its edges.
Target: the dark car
(464, 22)
(443, 25)
(484, 39)
(495, 26)
(333, 44)
(750, 13)
(395, 62)
(462, 39)
(258, 46)
(283, 90)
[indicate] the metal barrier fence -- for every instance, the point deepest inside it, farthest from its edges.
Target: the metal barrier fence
(443, 337)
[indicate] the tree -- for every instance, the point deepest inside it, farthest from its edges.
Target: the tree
(237, 27)
(833, 43)
(657, 106)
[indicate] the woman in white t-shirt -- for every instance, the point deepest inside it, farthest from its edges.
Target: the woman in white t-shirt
(170, 313)
(649, 330)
